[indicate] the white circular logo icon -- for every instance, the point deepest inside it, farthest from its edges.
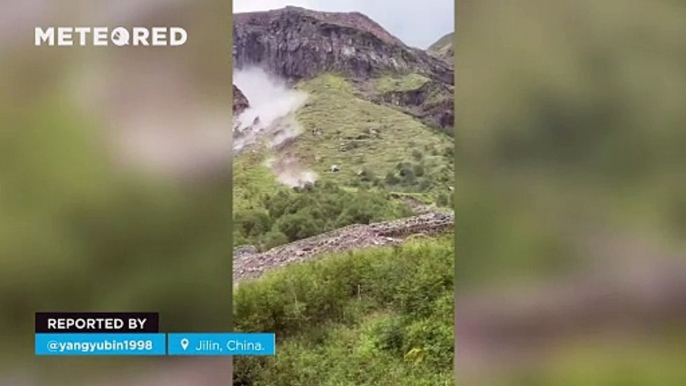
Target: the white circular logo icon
(120, 37)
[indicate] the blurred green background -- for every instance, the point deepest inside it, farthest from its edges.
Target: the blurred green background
(114, 183)
(571, 193)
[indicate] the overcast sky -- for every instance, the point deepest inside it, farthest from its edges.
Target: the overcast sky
(418, 23)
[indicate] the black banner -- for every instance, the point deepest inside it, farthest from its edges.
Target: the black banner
(97, 322)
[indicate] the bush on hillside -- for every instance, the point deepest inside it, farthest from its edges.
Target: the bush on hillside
(288, 216)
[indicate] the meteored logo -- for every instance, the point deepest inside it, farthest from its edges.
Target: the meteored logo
(103, 36)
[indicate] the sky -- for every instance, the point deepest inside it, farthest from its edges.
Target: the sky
(416, 23)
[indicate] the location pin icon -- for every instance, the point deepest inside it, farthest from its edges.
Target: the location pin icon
(184, 343)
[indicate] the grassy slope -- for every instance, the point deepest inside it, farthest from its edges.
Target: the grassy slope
(348, 121)
(374, 317)
(251, 179)
(377, 139)
(399, 83)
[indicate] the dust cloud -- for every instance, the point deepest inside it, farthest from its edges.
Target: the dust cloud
(271, 114)
(289, 172)
(270, 120)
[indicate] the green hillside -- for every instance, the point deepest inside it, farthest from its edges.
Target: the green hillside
(379, 151)
(358, 135)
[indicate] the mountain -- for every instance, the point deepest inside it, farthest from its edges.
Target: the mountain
(333, 98)
(299, 44)
(443, 47)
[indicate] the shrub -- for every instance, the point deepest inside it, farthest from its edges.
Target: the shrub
(273, 239)
(392, 179)
(252, 222)
(298, 226)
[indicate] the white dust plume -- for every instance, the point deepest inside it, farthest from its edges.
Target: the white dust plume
(270, 120)
(271, 115)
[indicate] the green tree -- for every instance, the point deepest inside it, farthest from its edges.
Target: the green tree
(298, 226)
(253, 222)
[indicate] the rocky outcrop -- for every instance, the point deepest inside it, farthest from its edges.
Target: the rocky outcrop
(297, 43)
(251, 266)
(432, 103)
(240, 102)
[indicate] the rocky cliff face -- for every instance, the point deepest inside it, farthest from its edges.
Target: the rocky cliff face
(240, 102)
(431, 103)
(297, 43)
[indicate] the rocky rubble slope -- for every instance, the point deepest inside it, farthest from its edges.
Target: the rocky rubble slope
(247, 264)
